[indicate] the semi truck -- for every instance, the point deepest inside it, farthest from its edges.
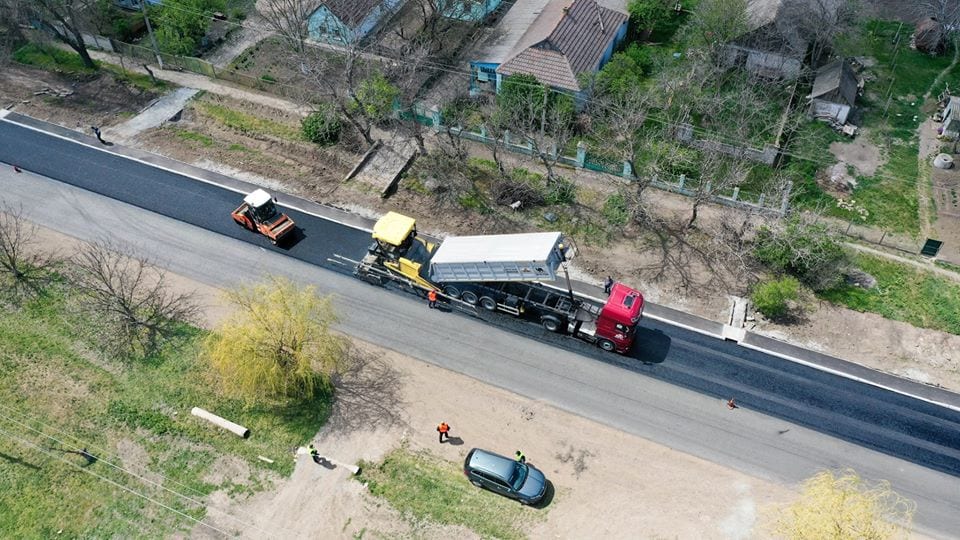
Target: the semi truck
(507, 273)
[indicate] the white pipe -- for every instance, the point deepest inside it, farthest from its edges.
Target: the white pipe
(222, 422)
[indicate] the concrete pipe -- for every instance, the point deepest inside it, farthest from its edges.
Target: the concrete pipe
(943, 161)
(222, 422)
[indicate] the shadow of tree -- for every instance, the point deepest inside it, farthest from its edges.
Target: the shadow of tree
(368, 394)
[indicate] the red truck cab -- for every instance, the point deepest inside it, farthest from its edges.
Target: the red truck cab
(620, 317)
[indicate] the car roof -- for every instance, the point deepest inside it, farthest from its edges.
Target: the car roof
(489, 462)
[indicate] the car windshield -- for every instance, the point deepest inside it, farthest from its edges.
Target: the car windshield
(519, 476)
(266, 211)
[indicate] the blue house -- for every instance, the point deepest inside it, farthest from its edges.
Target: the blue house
(470, 10)
(348, 21)
(554, 40)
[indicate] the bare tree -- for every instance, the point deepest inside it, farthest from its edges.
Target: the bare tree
(288, 18)
(409, 77)
(818, 22)
(20, 256)
(438, 18)
(64, 19)
(945, 11)
(369, 393)
(132, 296)
(11, 14)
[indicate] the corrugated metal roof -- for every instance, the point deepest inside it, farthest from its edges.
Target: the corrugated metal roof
(533, 247)
(837, 75)
(568, 38)
(351, 12)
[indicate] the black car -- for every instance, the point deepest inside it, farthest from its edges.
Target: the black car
(505, 476)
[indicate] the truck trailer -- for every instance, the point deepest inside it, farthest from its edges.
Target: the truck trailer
(503, 273)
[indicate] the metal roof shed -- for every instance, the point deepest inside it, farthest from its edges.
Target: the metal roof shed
(503, 257)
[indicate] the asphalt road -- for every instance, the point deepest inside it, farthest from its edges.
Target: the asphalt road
(793, 421)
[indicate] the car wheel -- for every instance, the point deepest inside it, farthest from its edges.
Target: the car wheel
(470, 298)
(551, 324)
(606, 345)
(451, 291)
(474, 482)
(488, 303)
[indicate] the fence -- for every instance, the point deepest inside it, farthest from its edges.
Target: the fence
(430, 116)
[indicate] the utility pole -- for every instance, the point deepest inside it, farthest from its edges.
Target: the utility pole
(153, 39)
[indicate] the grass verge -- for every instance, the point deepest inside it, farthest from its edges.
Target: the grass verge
(135, 415)
(248, 124)
(427, 488)
(903, 293)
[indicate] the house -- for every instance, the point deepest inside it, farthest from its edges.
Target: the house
(556, 41)
(470, 10)
(776, 42)
(834, 92)
(348, 21)
(951, 119)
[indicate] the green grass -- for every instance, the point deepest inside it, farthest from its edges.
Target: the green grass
(891, 195)
(140, 410)
(903, 293)
(139, 80)
(51, 58)
(427, 488)
(249, 124)
(194, 136)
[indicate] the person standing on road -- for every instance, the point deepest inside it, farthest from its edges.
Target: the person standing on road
(520, 457)
(96, 131)
(314, 454)
(444, 430)
(607, 284)
(432, 298)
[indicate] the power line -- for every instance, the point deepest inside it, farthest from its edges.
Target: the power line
(114, 483)
(117, 467)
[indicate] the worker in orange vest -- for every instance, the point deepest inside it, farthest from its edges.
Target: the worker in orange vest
(432, 298)
(444, 431)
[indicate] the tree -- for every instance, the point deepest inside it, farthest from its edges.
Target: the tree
(288, 18)
(819, 22)
(841, 506)
(540, 116)
(130, 295)
(647, 13)
(278, 344)
(20, 259)
(947, 12)
(182, 25)
(11, 33)
(64, 19)
(809, 251)
(715, 23)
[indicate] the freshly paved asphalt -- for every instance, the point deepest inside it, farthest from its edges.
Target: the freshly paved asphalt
(794, 420)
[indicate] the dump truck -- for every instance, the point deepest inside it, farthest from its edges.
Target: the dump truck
(509, 273)
(259, 213)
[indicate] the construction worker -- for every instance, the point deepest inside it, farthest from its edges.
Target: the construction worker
(314, 454)
(520, 457)
(444, 430)
(608, 284)
(432, 298)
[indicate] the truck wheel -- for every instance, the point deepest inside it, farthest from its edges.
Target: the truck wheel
(551, 324)
(470, 297)
(606, 345)
(451, 291)
(488, 303)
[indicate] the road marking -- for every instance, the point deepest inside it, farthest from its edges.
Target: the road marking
(5, 112)
(176, 172)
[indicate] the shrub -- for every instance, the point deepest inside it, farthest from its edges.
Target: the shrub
(561, 191)
(322, 126)
(772, 297)
(808, 251)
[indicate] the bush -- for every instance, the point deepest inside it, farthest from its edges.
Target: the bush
(561, 191)
(615, 210)
(771, 297)
(808, 251)
(322, 126)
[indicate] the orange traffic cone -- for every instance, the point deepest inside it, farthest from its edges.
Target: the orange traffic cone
(731, 404)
